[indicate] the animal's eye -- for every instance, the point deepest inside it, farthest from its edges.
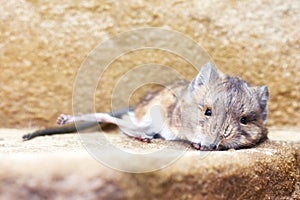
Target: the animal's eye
(208, 112)
(243, 120)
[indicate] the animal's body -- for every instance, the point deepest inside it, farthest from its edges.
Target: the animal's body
(214, 111)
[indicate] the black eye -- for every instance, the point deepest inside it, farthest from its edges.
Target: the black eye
(208, 112)
(243, 120)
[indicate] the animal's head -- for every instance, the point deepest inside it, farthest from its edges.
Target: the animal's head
(230, 112)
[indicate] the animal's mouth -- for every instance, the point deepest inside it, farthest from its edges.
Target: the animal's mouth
(221, 146)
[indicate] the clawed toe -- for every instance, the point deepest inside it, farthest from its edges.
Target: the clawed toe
(196, 146)
(146, 140)
(62, 119)
(141, 139)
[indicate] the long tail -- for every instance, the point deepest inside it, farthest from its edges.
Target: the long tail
(71, 128)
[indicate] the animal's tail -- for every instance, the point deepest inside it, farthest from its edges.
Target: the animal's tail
(71, 128)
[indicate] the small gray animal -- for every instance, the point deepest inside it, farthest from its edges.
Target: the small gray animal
(213, 112)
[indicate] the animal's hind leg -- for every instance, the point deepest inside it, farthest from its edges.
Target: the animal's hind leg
(136, 130)
(99, 117)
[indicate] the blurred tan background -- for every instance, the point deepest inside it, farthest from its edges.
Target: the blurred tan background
(43, 43)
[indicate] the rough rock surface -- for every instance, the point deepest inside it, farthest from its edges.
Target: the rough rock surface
(43, 43)
(59, 167)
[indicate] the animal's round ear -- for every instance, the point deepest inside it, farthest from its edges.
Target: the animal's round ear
(263, 98)
(207, 74)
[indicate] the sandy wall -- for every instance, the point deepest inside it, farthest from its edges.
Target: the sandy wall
(43, 43)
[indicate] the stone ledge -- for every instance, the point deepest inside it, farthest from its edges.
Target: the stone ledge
(58, 167)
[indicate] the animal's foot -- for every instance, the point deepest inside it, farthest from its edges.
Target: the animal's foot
(196, 146)
(146, 140)
(63, 119)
